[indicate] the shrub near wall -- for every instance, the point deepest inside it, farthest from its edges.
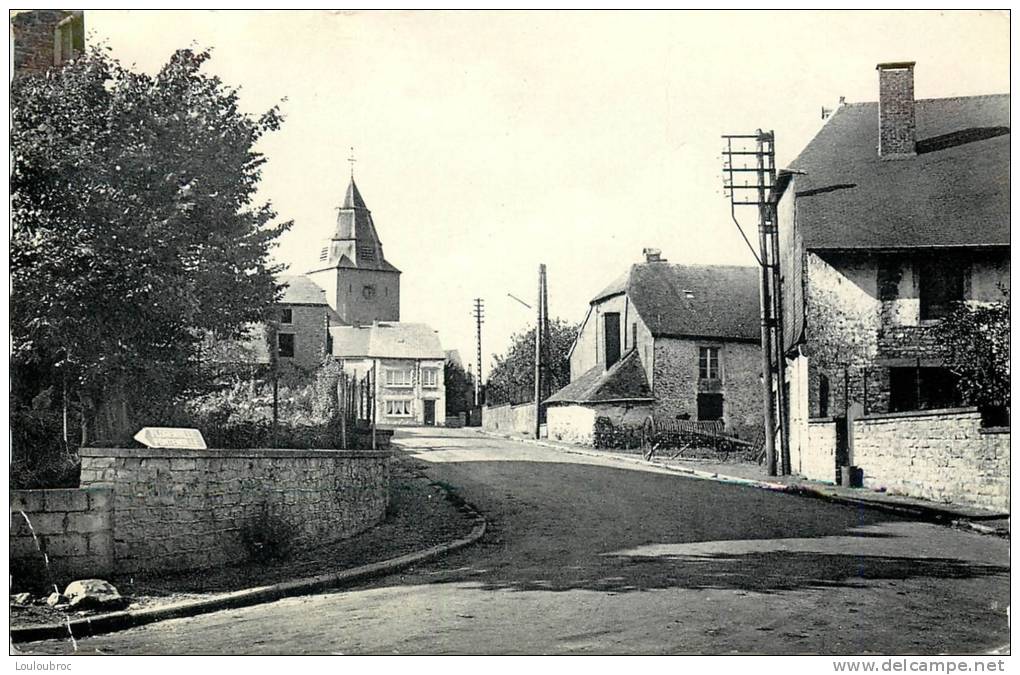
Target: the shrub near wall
(189, 509)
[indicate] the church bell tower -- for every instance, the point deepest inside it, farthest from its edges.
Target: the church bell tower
(360, 284)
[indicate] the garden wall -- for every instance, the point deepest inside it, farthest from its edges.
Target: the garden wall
(189, 509)
(818, 458)
(510, 419)
(73, 527)
(941, 455)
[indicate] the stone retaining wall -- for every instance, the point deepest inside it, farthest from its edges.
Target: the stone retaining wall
(189, 509)
(510, 419)
(73, 527)
(941, 455)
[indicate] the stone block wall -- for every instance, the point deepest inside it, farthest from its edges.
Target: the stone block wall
(73, 527)
(510, 419)
(190, 509)
(675, 384)
(941, 455)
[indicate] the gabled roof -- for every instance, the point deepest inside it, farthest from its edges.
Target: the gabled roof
(387, 340)
(716, 301)
(625, 381)
(300, 290)
(954, 192)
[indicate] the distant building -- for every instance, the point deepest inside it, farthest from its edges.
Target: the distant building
(670, 341)
(407, 359)
(45, 38)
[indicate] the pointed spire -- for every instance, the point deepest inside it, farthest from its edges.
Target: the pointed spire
(353, 200)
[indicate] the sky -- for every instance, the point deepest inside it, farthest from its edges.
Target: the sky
(490, 142)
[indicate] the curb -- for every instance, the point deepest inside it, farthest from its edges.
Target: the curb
(931, 513)
(116, 621)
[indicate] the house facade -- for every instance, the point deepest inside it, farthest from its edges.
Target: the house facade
(45, 38)
(406, 361)
(895, 212)
(670, 342)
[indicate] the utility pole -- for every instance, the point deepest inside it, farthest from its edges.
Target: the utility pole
(540, 338)
(479, 314)
(737, 161)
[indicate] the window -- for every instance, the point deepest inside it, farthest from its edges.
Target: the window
(430, 377)
(611, 321)
(940, 285)
(287, 315)
(68, 39)
(398, 408)
(366, 252)
(710, 407)
(399, 378)
(285, 344)
(324, 254)
(889, 274)
(368, 291)
(708, 363)
(922, 389)
(823, 395)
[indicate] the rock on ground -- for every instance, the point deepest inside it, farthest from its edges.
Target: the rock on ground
(93, 594)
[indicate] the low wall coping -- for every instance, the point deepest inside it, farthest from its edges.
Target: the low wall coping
(938, 412)
(246, 453)
(86, 488)
(821, 420)
(994, 430)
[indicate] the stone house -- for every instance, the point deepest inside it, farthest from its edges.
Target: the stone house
(407, 361)
(670, 341)
(893, 213)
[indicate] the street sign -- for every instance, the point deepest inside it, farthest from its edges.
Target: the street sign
(168, 437)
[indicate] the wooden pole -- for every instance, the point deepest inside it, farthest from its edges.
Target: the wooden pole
(374, 404)
(342, 403)
(538, 352)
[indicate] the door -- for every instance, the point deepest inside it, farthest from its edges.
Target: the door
(430, 413)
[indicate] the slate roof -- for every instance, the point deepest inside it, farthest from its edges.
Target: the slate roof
(719, 301)
(354, 224)
(625, 381)
(954, 192)
(387, 339)
(300, 290)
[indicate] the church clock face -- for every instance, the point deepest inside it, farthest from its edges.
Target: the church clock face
(368, 292)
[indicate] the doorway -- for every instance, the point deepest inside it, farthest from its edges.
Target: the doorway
(430, 413)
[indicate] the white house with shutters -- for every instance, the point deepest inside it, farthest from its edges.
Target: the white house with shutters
(407, 359)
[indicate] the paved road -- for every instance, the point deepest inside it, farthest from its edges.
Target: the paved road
(588, 555)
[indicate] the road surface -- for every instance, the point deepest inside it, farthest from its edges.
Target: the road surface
(590, 555)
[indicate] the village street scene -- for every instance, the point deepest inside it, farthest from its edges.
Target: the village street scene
(510, 333)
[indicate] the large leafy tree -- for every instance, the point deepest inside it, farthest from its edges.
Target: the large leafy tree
(135, 231)
(512, 379)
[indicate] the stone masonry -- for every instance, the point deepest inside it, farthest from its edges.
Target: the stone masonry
(73, 527)
(941, 455)
(190, 509)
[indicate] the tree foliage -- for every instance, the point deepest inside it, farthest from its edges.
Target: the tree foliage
(512, 379)
(460, 388)
(974, 340)
(135, 228)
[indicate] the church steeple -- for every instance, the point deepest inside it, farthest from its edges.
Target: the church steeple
(355, 243)
(361, 285)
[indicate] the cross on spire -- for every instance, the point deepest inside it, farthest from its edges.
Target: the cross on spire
(352, 160)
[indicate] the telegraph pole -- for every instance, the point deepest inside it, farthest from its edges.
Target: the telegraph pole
(479, 314)
(540, 331)
(737, 161)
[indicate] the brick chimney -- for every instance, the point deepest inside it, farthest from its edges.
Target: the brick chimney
(897, 133)
(652, 255)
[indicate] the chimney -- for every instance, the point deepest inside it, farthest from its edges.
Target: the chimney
(652, 255)
(897, 133)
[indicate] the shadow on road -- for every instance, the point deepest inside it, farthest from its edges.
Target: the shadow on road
(568, 525)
